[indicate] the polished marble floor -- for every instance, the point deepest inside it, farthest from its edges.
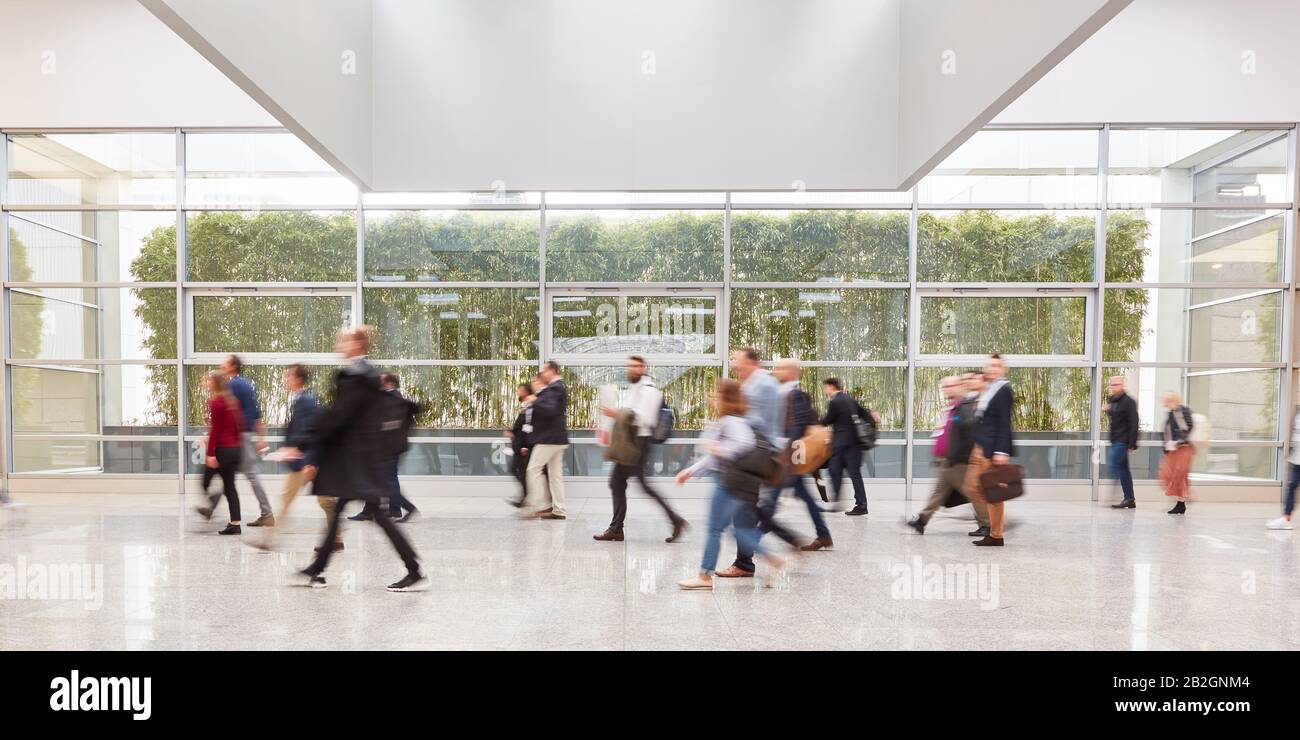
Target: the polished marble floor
(1073, 576)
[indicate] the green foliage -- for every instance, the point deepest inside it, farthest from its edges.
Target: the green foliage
(806, 246)
(672, 247)
(986, 246)
(848, 325)
(227, 246)
(454, 323)
(452, 245)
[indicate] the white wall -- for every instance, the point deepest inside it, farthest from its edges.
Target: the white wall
(306, 61)
(554, 94)
(113, 65)
(963, 60)
(1176, 61)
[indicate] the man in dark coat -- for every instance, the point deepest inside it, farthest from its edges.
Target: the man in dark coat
(349, 465)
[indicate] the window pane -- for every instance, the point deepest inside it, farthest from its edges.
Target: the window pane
(621, 325)
(90, 323)
(811, 325)
(809, 246)
(1183, 246)
(1225, 462)
(268, 382)
(1160, 166)
(1006, 246)
(820, 197)
(630, 246)
(432, 246)
(1239, 404)
(454, 323)
(248, 169)
(685, 388)
(1200, 325)
(1051, 462)
(108, 399)
(453, 200)
(269, 323)
(271, 246)
(881, 389)
(1051, 402)
(100, 169)
(1050, 167)
(466, 397)
(1010, 325)
(92, 246)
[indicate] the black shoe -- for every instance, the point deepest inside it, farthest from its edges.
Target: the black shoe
(988, 542)
(204, 512)
(981, 532)
(918, 525)
(856, 511)
(410, 516)
(1127, 503)
(518, 503)
(360, 517)
(1179, 508)
(413, 581)
(231, 529)
(679, 528)
(311, 580)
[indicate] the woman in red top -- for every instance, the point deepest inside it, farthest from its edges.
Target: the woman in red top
(223, 451)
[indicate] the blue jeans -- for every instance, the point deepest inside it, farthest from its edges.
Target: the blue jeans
(1119, 467)
(799, 485)
(1288, 500)
(723, 508)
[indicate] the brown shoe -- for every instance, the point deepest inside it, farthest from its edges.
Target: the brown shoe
(821, 543)
(548, 514)
(679, 528)
(609, 535)
(265, 520)
(734, 572)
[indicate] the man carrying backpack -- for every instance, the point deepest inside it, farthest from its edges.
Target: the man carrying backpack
(350, 440)
(853, 430)
(645, 402)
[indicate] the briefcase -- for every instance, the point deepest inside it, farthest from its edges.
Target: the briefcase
(1002, 483)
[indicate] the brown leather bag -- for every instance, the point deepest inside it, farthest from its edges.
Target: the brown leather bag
(1002, 483)
(811, 451)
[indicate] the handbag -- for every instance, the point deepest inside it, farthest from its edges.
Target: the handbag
(1002, 483)
(811, 451)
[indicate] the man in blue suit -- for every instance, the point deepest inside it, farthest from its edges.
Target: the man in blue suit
(304, 409)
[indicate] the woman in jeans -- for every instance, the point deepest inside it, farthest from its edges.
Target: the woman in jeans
(1177, 462)
(1293, 460)
(725, 441)
(223, 448)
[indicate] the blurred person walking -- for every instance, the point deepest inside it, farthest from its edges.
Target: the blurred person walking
(994, 443)
(847, 420)
(391, 384)
(799, 415)
(549, 435)
(1123, 413)
(721, 445)
(224, 448)
(1293, 462)
(252, 435)
(1176, 465)
(297, 452)
(640, 406)
(519, 444)
(349, 446)
(953, 444)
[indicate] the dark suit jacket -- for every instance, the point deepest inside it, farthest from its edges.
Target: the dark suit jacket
(550, 416)
(994, 433)
(798, 413)
(961, 433)
(345, 443)
(518, 438)
(839, 417)
(302, 416)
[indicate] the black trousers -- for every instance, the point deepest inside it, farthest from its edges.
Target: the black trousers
(519, 469)
(391, 530)
(761, 515)
(227, 465)
(847, 460)
(618, 486)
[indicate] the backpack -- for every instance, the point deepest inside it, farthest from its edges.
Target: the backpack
(394, 418)
(865, 427)
(664, 424)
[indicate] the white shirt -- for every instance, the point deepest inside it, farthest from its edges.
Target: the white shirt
(987, 395)
(645, 400)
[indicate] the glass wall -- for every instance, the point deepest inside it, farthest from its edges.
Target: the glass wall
(135, 261)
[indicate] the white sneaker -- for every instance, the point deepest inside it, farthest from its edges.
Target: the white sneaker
(695, 583)
(1279, 523)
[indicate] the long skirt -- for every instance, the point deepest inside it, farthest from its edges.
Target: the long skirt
(1174, 468)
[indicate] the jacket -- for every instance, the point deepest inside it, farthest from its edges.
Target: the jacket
(1123, 413)
(302, 416)
(518, 437)
(798, 413)
(223, 425)
(550, 416)
(993, 432)
(1175, 432)
(961, 433)
(624, 447)
(839, 417)
(343, 440)
(762, 400)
